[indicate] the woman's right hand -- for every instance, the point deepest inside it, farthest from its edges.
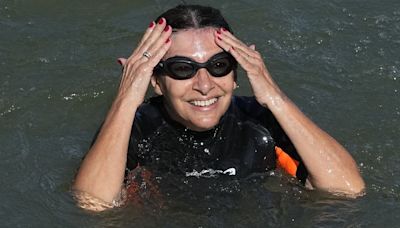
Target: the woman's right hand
(102, 171)
(138, 68)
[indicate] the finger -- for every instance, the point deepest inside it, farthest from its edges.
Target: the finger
(243, 59)
(152, 51)
(147, 33)
(131, 63)
(246, 51)
(241, 56)
(146, 64)
(157, 32)
(252, 47)
(122, 61)
(162, 50)
(230, 39)
(239, 46)
(221, 43)
(145, 36)
(165, 37)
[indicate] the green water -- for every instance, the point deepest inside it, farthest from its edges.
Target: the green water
(338, 60)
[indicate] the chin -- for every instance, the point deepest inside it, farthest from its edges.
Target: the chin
(204, 125)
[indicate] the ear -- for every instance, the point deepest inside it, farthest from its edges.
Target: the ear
(235, 85)
(156, 85)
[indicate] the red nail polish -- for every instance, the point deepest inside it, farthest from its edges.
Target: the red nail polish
(166, 28)
(161, 21)
(168, 40)
(119, 62)
(219, 38)
(151, 24)
(224, 29)
(233, 48)
(218, 32)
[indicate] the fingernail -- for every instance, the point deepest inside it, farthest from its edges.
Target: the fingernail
(168, 40)
(219, 38)
(166, 28)
(224, 29)
(233, 48)
(161, 21)
(151, 24)
(119, 61)
(218, 32)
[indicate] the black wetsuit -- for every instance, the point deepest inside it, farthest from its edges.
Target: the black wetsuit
(242, 143)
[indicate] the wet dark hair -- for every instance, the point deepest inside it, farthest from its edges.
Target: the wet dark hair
(194, 16)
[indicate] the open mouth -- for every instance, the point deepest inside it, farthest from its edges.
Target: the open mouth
(204, 103)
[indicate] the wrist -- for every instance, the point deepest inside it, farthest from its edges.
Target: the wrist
(127, 101)
(273, 99)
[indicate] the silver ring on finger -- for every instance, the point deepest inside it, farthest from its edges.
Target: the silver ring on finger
(147, 54)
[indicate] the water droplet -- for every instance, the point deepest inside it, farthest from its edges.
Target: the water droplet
(265, 139)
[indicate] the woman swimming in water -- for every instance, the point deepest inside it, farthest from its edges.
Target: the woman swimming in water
(196, 126)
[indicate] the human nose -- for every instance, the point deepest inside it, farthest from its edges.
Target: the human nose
(203, 82)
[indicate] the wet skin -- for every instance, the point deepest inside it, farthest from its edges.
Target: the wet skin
(199, 102)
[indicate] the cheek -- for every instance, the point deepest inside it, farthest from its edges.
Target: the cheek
(227, 84)
(175, 88)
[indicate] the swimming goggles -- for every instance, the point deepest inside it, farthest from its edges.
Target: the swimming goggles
(182, 68)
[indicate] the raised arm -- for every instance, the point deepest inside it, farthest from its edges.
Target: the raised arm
(101, 173)
(329, 164)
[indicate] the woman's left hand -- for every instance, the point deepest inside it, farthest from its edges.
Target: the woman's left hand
(264, 87)
(329, 164)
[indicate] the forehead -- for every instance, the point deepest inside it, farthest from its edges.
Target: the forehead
(197, 44)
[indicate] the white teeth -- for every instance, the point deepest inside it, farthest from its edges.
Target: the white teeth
(204, 103)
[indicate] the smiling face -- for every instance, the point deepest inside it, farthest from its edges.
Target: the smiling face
(199, 102)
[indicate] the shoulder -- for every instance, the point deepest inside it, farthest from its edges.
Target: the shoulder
(150, 108)
(149, 116)
(248, 108)
(245, 102)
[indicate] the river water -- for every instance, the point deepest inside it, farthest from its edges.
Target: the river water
(338, 60)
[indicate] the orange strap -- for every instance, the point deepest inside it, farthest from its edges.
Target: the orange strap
(285, 162)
